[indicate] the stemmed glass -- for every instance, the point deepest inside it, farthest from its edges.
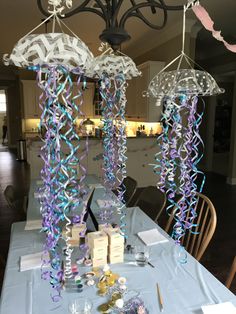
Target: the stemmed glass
(81, 306)
(141, 254)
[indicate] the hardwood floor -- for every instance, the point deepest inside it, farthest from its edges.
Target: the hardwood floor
(219, 254)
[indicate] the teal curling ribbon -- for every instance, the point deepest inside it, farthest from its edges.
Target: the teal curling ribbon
(62, 173)
(177, 161)
(120, 86)
(113, 90)
(109, 133)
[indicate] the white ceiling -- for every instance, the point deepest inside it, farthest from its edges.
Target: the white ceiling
(18, 17)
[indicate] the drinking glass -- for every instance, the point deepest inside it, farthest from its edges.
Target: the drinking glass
(81, 306)
(141, 254)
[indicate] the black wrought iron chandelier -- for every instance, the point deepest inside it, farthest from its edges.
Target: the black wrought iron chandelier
(109, 10)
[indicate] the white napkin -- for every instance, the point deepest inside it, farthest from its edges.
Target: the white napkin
(95, 185)
(221, 308)
(152, 237)
(39, 195)
(107, 203)
(32, 261)
(33, 224)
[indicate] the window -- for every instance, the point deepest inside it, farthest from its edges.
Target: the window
(97, 101)
(3, 105)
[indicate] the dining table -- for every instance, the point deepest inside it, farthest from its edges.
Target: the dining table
(185, 287)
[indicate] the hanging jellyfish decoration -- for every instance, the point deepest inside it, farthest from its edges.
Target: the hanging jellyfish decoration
(181, 146)
(113, 71)
(58, 59)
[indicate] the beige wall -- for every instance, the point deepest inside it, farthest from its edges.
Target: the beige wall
(168, 51)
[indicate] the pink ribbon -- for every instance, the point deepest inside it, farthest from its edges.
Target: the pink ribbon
(207, 22)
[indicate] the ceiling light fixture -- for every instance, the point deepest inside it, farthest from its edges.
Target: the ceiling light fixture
(110, 11)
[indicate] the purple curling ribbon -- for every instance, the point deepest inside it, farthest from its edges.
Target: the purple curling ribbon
(109, 133)
(63, 179)
(177, 161)
(113, 91)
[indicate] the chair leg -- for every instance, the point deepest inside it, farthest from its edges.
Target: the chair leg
(231, 274)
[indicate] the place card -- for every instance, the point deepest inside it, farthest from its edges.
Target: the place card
(32, 261)
(105, 203)
(33, 224)
(226, 307)
(152, 237)
(39, 195)
(95, 185)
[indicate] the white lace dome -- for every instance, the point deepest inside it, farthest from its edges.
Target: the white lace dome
(113, 65)
(183, 81)
(52, 49)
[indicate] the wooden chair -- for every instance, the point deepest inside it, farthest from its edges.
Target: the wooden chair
(231, 274)
(15, 199)
(206, 220)
(152, 201)
(130, 186)
(130, 189)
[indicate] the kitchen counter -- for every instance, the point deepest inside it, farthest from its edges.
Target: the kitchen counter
(141, 153)
(36, 137)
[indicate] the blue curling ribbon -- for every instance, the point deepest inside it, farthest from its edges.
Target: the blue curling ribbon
(176, 163)
(113, 90)
(63, 179)
(109, 133)
(121, 86)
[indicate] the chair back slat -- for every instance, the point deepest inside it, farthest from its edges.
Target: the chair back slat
(193, 233)
(130, 189)
(202, 233)
(191, 239)
(152, 201)
(231, 274)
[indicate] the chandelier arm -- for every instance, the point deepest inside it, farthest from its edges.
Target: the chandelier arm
(115, 14)
(79, 9)
(130, 11)
(156, 27)
(140, 15)
(103, 8)
(40, 6)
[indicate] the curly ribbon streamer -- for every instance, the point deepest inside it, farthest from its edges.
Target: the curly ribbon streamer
(113, 90)
(208, 23)
(177, 161)
(63, 173)
(109, 133)
(121, 86)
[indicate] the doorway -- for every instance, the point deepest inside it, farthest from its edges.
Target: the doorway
(3, 120)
